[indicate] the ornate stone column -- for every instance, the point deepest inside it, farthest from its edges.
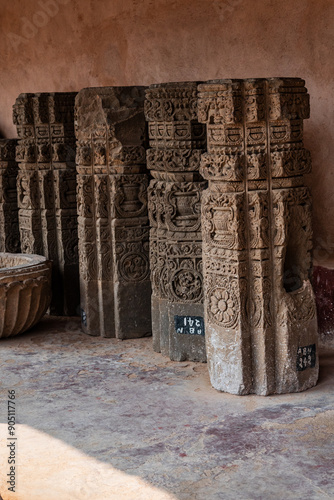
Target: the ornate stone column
(112, 207)
(9, 220)
(260, 315)
(176, 143)
(46, 188)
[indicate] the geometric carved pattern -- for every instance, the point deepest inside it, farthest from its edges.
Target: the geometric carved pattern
(257, 237)
(9, 222)
(46, 188)
(176, 142)
(112, 209)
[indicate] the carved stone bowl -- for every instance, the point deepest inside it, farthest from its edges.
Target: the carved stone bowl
(25, 291)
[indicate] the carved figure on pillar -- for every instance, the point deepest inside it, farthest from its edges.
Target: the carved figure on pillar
(112, 207)
(46, 187)
(9, 219)
(177, 141)
(256, 217)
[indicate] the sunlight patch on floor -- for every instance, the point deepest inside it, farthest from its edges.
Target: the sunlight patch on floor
(48, 468)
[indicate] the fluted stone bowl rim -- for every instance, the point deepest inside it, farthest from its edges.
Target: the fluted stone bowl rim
(25, 291)
(29, 260)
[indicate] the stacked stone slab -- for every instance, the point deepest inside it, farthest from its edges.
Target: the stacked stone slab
(46, 188)
(112, 207)
(260, 314)
(177, 141)
(9, 220)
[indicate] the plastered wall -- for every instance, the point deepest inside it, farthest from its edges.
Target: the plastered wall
(58, 45)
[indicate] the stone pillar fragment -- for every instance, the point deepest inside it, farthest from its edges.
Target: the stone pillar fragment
(46, 187)
(112, 207)
(177, 141)
(256, 217)
(9, 221)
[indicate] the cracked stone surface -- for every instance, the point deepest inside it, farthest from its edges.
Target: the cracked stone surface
(110, 419)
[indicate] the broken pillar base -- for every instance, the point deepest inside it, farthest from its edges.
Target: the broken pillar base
(186, 332)
(178, 330)
(133, 302)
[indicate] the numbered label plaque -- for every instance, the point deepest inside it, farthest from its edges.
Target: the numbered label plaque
(305, 357)
(83, 317)
(191, 325)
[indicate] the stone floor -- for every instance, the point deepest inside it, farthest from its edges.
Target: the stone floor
(104, 419)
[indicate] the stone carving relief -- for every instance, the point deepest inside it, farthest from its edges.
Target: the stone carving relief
(9, 221)
(176, 141)
(46, 188)
(112, 212)
(256, 223)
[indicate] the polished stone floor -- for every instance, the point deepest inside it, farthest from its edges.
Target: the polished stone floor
(106, 419)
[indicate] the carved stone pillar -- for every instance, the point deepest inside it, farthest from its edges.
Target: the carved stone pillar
(112, 207)
(177, 141)
(9, 220)
(260, 314)
(46, 188)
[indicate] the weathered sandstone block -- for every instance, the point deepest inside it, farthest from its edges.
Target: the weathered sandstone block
(261, 328)
(25, 291)
(177, 141)
(9, 220)
(46, 186)
(112, 207)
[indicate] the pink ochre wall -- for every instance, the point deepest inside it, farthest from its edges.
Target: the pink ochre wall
(63, 45)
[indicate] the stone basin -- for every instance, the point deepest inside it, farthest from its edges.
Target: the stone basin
(25, 291)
